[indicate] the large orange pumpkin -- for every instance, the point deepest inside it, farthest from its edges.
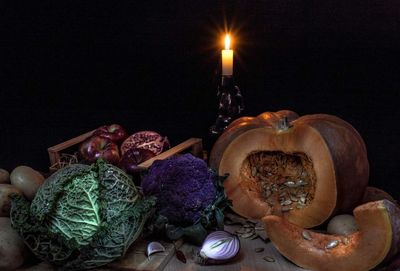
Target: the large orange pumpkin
(305, 169)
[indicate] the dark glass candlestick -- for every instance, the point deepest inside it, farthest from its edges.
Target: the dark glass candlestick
(230, 105)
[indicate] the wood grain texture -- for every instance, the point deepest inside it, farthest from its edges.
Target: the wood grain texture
(194, 144)
(248, 259)
(136, 260)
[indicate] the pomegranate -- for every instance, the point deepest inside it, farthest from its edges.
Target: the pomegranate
(133, 157)
(148, 140)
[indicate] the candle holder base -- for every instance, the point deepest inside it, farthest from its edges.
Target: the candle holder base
(220, 125)
(230, 105)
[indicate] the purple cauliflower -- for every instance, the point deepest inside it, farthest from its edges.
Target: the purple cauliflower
(184, 187)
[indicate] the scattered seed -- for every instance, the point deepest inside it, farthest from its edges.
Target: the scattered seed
(286, 208)
(300, 206)
(346, 241)
(286, 202)
(302, 200)
(293, 198)
(259, 249)
(247, 230)
(252, 221)
(269, 259)
(306, 235)
(247, 235)
(332, 244)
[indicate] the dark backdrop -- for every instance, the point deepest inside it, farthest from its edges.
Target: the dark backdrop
(70, 66)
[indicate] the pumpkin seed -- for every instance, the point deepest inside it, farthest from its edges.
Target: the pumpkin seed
(252, 221)
(286, 202)
(306, 235)
(247, 235)
(301, 183)
(332, 244)
(255, 236)
(241, 230)
(254, 171)
(267, 193)
(259, 249)
(293, 198)
(290, 184)
(269, 259)
(286, 208)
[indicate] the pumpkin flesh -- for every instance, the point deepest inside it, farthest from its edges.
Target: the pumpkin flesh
(377, 239)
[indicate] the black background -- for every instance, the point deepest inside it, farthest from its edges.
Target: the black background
(70, 66)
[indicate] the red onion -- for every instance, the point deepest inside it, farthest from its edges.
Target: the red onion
(148, 140)
(219, 247)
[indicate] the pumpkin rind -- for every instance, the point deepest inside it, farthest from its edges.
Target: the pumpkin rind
(240, 125)
(377, 240)
(337, 152)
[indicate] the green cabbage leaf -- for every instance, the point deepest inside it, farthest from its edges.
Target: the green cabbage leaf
(82, 216)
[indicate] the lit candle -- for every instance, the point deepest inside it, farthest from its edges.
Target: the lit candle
(227, 58)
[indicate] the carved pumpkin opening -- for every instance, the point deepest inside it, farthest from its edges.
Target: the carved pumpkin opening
(284, 181)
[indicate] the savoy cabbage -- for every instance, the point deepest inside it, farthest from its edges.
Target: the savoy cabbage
(82, 216)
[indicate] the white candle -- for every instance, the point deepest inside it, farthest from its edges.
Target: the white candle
(227, 58)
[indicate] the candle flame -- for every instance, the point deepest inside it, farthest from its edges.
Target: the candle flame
(227, 41)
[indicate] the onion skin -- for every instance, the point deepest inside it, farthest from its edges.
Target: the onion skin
(219, 247)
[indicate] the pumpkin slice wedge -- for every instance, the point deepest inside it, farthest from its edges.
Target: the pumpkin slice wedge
(377, 239)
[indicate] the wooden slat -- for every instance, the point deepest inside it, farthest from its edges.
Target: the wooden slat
(195, 144)
(54, 151)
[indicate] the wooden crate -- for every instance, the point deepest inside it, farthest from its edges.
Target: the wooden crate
(56, 152)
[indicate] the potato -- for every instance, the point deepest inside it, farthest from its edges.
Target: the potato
(5, 201)
(4, 176)
(27, 180)
(12, 248)
(342, 224)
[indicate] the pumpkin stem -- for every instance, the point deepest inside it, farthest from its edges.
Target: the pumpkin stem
(284, 124)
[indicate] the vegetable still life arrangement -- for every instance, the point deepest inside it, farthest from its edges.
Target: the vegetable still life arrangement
(299, 182)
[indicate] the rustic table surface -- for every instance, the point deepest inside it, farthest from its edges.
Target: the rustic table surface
(248, 259)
